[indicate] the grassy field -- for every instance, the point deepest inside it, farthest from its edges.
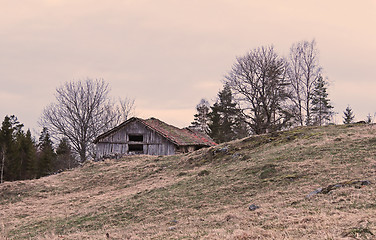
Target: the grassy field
(207, 194)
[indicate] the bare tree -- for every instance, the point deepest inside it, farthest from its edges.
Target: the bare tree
(369, 119)
(259, 83)
(126, 108)
(201, 118)
(295, 76)
(304, 71)
(83, 111)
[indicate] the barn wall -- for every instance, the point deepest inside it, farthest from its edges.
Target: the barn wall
(118, 142)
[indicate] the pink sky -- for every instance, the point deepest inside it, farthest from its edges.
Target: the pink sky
(169, 54)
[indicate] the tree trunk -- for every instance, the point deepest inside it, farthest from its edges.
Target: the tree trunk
(2, 166)
(83, 152)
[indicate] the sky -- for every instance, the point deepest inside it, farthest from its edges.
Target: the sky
(168, 54)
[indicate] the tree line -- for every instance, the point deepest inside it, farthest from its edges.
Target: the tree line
(83, 110)
(264, 92)
(22, 157)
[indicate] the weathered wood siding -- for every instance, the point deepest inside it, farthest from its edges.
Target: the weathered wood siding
(118, 142)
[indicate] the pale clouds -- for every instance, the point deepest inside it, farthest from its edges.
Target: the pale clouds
(169, 54)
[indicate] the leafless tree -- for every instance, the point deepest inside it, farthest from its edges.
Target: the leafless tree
(304, 71)
(201, 118)
(82, 111)
(126, 108)
(259, 83)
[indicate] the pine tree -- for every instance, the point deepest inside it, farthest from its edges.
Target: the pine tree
(64, 157)
(27, 154)
(216, 132)
(226, 121)
(10, 163)
(321, 110)
(46, 154)
(201, 118)
(348, 115)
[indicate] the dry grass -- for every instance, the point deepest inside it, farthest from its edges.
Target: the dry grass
(206, 194)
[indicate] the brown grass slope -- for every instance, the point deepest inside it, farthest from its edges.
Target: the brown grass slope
(206, 194)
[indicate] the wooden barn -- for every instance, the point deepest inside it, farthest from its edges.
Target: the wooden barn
(150, 136)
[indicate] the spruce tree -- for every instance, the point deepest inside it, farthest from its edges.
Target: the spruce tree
(64, 157)
(216, 126)
(10, 163)
(321, 110)
(46, 154)
(27, 154)
(348, 115)
(226, 121)
(215, 130)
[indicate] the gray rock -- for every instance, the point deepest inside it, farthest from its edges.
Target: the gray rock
(328, 189)
(253, 207)
(174, 221)
(221, 150)
(364, 183)
(314, 192)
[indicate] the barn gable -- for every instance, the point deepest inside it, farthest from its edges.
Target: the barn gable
(150, 136)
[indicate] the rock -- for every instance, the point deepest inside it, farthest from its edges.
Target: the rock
(236, 156)
(362, 232)
(221, 150)
(329, 188)
(203, 173)
(314, 192)
(174, 221)
(364, 183)
(253, 207)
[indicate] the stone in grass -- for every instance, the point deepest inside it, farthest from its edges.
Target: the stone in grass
(203, 173)
(174, 221)
(253, 207)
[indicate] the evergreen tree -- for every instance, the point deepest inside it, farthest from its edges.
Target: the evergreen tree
(348, 115)
(201, 118)
(27, 155)
(216, 131)
(64, 157)
(226, 121)
(46, 154)
(321, 110)
(10, 163)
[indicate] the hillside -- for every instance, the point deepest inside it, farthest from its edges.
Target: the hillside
(207, 194)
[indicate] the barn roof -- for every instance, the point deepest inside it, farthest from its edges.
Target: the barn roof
(180, 137)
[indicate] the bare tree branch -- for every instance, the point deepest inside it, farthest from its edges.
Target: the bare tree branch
(259, 82)
(82, 111)
(304, 71)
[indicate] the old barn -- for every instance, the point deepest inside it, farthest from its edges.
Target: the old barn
(150, 136)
